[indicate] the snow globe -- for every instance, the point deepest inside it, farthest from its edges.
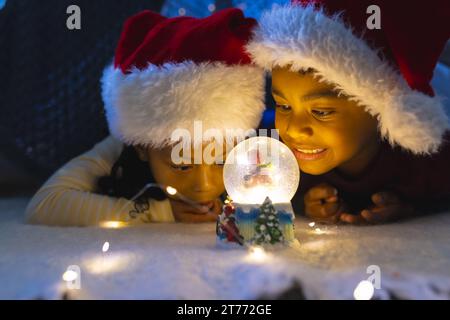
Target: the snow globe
(261, 176)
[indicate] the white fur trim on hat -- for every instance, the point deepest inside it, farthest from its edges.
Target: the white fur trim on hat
(302, 37)
(145, 106)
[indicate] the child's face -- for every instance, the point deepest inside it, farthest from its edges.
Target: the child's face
(202, 183)
(323, 130)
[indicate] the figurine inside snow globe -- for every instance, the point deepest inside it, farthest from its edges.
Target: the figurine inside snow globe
(261, 176)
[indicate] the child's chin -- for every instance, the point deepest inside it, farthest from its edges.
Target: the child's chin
(313, 168)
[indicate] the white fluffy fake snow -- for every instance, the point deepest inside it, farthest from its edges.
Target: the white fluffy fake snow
(179, 261)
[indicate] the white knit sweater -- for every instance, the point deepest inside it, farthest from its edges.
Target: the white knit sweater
(67, 198)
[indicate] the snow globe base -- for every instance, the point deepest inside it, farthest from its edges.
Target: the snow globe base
(264, 224)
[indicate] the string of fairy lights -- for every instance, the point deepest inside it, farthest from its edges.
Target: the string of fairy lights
(364, 290)
(255, 254)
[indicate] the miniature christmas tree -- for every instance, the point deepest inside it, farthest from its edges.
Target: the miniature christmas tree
(267, 225)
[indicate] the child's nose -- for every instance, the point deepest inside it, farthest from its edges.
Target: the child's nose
(203, 179)
(299, 128)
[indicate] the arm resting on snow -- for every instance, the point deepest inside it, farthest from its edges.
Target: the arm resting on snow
(68, 197)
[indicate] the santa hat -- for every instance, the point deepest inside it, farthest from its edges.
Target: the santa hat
(170, 72)
(387, 70)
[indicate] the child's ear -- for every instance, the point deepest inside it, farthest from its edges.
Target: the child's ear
(142, 153)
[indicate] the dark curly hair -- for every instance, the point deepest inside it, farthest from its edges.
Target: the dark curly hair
(129, 175)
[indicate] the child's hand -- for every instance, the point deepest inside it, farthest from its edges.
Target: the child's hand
(322, 203)
(387, 207)
(184, 212)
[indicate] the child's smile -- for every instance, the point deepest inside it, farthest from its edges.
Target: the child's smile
(324, 130)
(309, 154)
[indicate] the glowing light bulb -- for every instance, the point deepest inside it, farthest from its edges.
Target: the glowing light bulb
(261, 167)
(108, 263)
(312, 224)
(257, 254)
(364, 290)
(69, 276)
(319, 231)
(105, 246)
(171, 190)
(112, 224)
(211, 7)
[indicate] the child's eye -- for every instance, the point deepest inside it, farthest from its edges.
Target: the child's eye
(181, 168)
(322, 113)
(283, 108)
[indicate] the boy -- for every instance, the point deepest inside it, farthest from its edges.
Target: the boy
(337, 92)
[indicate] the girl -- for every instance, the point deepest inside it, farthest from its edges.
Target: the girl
(355, 105)
(167, 74)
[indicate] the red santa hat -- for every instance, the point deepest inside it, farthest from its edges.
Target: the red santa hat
(387, 71)
(170, 72)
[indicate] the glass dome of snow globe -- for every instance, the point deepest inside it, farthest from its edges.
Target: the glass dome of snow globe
(258, 168)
